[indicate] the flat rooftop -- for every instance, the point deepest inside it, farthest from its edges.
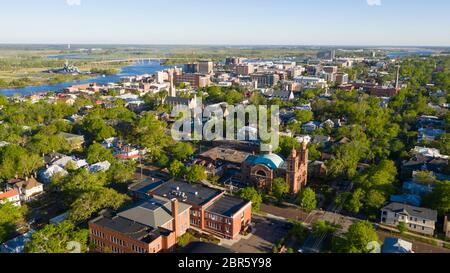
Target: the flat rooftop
(227, 206)
(146, 185)
(225, 154)
(193, 194)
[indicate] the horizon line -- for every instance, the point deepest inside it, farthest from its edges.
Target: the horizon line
(233, 45)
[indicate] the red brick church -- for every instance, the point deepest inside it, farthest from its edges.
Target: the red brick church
(263, 169)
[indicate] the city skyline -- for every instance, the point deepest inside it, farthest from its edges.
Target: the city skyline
(194, 22)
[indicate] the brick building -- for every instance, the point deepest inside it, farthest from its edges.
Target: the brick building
(195, 80)
(151, 226)
(211, 210)
(262, 170)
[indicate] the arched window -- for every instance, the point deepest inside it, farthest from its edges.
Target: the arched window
(261, 173)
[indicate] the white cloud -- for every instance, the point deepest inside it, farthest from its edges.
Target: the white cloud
(374, 3)
(73, 2)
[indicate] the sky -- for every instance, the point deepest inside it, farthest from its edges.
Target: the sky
(227, 22)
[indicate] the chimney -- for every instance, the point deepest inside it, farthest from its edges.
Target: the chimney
(176, 222)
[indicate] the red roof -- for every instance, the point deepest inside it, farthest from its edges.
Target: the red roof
(9, 194)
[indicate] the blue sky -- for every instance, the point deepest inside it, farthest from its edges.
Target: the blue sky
(287, 22)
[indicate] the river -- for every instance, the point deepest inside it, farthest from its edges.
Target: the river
(139, 68)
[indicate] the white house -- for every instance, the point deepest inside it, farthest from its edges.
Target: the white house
(51, 171)
(100, 167)
(420, 220)
(27, 188)
(11, 196)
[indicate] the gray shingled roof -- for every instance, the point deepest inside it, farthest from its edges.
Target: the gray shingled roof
(423, 213)
(153, 212)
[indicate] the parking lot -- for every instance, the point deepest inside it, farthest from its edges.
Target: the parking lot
(266, 234)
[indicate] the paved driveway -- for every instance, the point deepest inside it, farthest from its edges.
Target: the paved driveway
(266, 234)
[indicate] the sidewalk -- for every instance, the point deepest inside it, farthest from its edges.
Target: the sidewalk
(419, 237)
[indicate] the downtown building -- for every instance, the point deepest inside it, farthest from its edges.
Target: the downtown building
(195, 80)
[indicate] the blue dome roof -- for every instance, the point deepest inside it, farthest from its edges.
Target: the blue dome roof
(273, 161)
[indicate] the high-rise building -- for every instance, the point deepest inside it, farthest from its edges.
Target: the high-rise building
(341, 78)
(233, 61)
(244, 69)
(191, 68)
(265, 79)
(205, 67)
(330, 69)
(195, 80)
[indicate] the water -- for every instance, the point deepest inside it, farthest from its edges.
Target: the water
(393, 55)
(139, 68)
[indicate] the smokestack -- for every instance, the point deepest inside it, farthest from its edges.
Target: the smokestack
(176, 222)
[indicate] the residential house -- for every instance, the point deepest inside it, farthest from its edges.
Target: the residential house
(283, 95)
(27, 188)
(47, 174)
(429, 134)
(126, 152)
(420, 220)
(100, 167)
(310, 127)
(11, 196)
(425, 159)
(76, 141)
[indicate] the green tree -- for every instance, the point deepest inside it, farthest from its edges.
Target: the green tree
(177, 169)
(307, 199)
(324, 227)
(425, 177)
(150, 133)
(122, 172)
(44, 143)
(439, 199)
(252, 195)
(97, 153)
(357, 239)
(15, 160)
(196, 173)
(352, 202)
(280, 187)
(56, 239)
(10, 217)
(402, 227)
(97, 129)
(181, 150)
(80, 182)
(304, 116)
(92, 202)
(286, 145)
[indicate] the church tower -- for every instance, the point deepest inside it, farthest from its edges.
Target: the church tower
(172, 90)
(297, 168)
